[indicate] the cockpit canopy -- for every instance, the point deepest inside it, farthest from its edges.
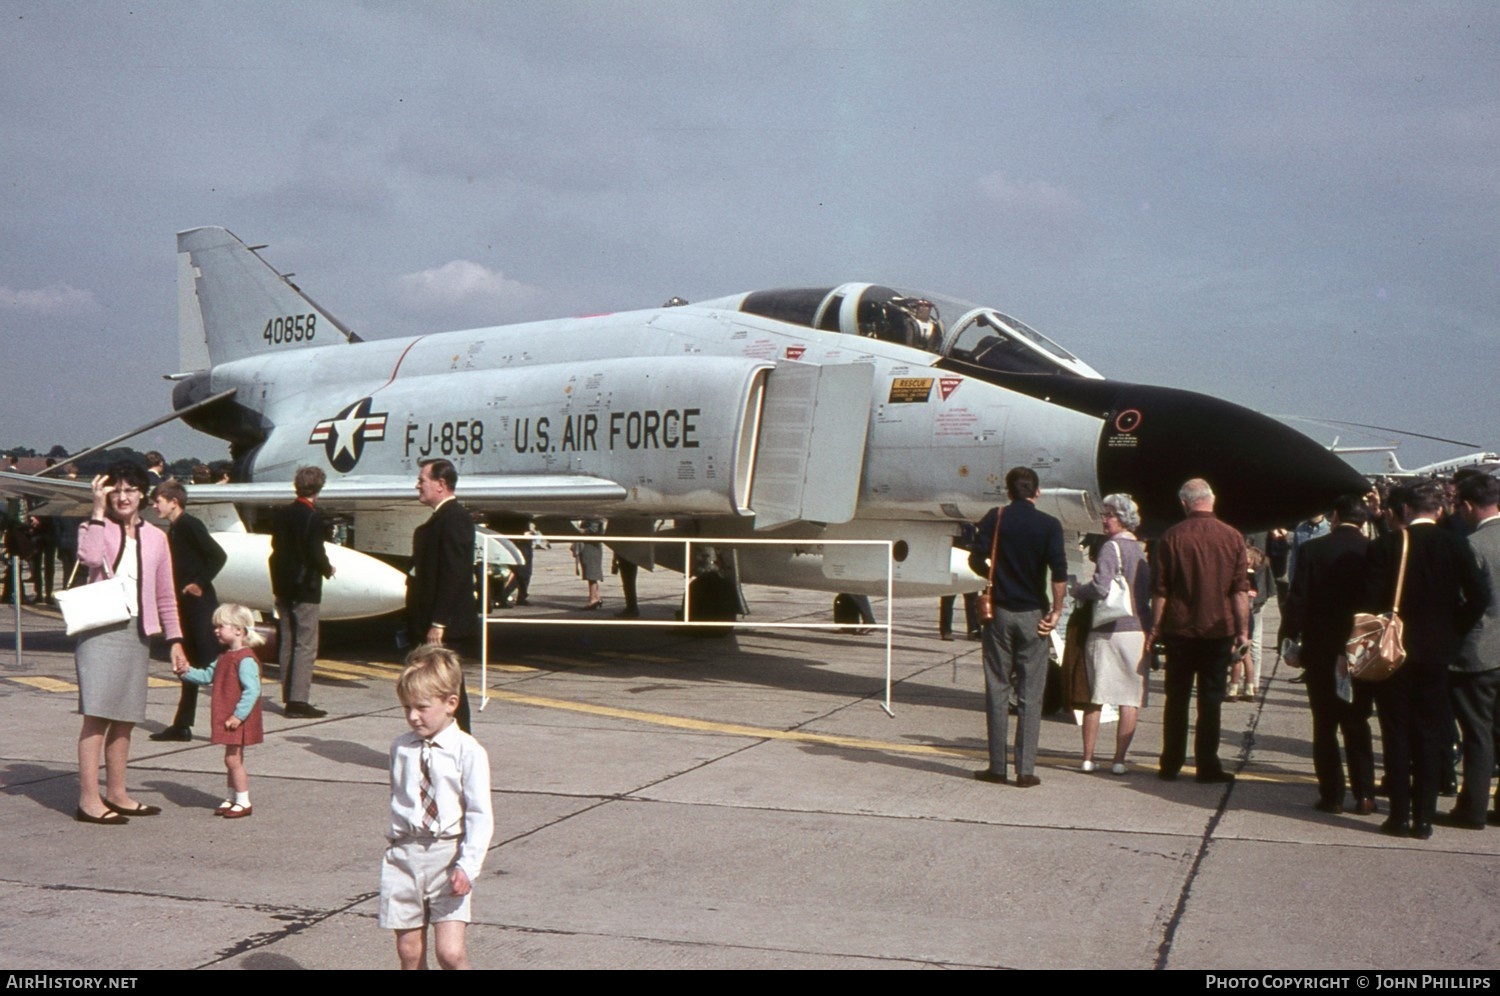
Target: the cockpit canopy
(929, 322)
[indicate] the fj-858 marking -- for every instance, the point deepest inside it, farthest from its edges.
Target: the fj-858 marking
(445, 438)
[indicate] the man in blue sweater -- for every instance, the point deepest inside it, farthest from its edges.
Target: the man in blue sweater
(1025, 544)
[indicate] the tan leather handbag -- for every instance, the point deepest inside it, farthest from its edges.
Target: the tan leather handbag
(1374, 650)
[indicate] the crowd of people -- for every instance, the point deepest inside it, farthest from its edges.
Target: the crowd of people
(161, 581)
(1189, 601)
(1426, 552)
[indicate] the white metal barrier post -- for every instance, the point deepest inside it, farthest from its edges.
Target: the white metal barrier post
(15, 591)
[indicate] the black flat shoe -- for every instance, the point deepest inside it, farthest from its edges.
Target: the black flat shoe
(1214, 778)
(986, 775)
(109, 819)
(301, 710)
(173, 734)
(1393, 827)
(139, 810)
(1421, 831)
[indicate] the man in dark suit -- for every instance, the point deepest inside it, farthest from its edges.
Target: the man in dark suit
(440, 603)
(1474, 677)
(1441, 597)
(298, 566)
(1327, 589)
(1026, 544)
(196, 561)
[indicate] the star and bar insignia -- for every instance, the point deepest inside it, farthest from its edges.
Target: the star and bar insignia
(344, 436)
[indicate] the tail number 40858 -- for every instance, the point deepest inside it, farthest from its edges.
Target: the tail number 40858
(288, 329)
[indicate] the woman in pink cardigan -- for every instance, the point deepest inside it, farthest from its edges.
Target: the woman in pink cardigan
(113, 661)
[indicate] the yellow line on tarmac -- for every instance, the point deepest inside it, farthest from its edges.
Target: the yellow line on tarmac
(828, 739)
(1276, 777)
(728, 729)
(350, 670)
(572, 662)
(58, 685)
(47, 684)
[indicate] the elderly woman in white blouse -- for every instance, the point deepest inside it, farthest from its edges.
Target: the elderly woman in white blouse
(1114, 651)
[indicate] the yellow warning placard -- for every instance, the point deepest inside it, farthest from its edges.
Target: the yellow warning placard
(910, 390)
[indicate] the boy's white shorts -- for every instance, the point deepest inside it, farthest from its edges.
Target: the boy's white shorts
(414, 885)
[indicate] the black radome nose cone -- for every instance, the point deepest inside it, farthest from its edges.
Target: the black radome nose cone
(1263, 473)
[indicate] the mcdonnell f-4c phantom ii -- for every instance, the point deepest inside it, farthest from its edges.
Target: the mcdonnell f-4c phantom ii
(852, 412)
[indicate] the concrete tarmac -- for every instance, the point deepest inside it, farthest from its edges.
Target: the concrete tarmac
(666, 801)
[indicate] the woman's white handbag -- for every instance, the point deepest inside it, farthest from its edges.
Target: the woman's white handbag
(94, 605)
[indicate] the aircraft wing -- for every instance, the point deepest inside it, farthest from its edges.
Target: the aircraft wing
(52, 491)
(483, 492)
(540, 493)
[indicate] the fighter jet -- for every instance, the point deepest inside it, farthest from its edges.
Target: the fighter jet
(860, 411)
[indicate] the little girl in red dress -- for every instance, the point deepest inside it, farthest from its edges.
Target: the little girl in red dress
(235, 678)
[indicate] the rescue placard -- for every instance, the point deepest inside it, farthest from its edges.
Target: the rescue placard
(910, 390)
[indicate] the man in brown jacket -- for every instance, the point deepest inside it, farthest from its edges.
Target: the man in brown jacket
(1200, 608)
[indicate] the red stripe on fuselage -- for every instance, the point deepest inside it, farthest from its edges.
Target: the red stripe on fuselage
(399, 360)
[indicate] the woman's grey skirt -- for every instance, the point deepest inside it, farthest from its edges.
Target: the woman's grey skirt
(112, 666)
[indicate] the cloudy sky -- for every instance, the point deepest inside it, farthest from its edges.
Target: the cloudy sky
(1294, 206)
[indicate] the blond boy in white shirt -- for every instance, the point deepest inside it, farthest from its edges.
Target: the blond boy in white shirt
(441, 821)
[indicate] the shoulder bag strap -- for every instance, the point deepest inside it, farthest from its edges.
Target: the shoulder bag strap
(995, 544)
(1124, 579)
(1401, 573)
(109, 571)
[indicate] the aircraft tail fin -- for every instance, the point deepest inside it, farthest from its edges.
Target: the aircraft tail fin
(232, 304)
(1392, 465)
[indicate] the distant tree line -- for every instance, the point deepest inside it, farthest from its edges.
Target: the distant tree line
(97, 463)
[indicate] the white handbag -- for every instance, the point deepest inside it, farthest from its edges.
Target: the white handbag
(1117, 603)
(94, 605)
